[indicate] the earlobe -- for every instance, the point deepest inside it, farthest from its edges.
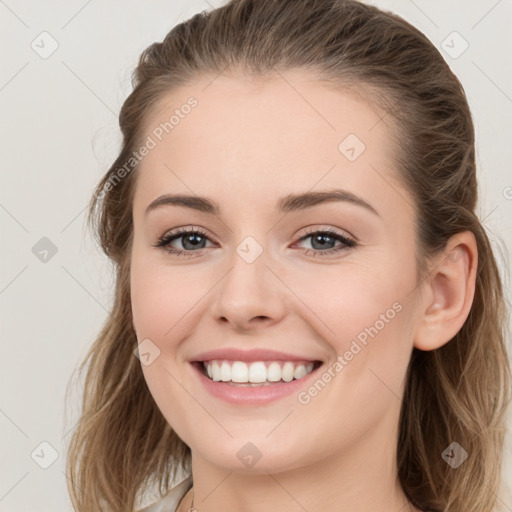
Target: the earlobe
(451, 289)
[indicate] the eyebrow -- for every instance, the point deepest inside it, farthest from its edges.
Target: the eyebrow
(289, 203)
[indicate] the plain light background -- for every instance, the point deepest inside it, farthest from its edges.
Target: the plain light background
(59, 134)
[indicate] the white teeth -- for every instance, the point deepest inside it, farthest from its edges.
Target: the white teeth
(256, 372)
(225, 372)
(299, 372)
(287, 372)
(274, 372)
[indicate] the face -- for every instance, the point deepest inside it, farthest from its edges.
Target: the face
(330, 283)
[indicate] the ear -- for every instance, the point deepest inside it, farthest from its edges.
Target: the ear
(448, 292)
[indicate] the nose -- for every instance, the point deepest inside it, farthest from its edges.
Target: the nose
(250, 295)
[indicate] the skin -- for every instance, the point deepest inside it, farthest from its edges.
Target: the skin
(247, 144)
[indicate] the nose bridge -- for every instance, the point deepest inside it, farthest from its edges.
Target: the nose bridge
(249, 289)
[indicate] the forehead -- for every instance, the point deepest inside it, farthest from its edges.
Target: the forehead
(268, 138)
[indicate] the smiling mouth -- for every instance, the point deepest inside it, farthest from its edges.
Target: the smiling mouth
(256, 373)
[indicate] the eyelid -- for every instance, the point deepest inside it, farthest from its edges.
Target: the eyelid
(347, 241)
(309, 230)
(164, 240)
(183, 230)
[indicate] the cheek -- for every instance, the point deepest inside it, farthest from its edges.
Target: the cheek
(363, 314)
(161, 298)
(153, 303)
(157, 296)
(349, 299)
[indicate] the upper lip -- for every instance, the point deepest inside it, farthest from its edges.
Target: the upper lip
(256, 354)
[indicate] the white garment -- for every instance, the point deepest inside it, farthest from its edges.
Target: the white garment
(170, 502)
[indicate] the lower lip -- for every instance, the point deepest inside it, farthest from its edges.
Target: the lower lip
(248, 395)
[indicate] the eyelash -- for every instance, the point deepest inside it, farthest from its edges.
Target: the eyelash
(165, 240)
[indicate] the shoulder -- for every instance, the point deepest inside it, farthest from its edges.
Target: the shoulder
(171, 500)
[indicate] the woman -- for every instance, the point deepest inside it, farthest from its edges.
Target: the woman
(308, 313)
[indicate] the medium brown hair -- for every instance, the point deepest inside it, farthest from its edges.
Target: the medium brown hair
(455, 393)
